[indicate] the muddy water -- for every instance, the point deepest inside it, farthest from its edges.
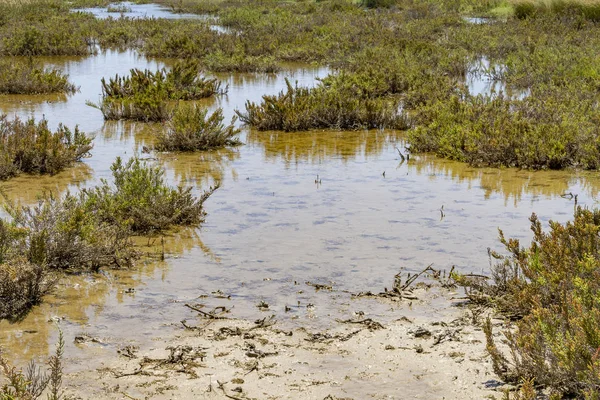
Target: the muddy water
(131, 10)
(273, 226)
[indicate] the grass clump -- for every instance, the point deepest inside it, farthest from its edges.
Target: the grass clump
(30, 147)
(17, 77)
(141, 199)
(145, 95)
(552, 288)
(328, 105)
(192, 129)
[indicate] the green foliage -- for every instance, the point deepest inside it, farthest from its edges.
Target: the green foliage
(22, 285)
(32, 148)
(43, 28)
(547, 129)
(378, 3)
(218, 61)
(191, 129)
(55, 234)
(588, 9)
(553, 287)
(17, 77)
(87, 231)
(144, 95)
(330, 105)
(141, 199)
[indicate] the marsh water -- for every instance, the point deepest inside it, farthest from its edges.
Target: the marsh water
(272, 226)
(128, 9)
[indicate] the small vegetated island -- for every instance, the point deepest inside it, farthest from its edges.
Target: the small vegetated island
(396, 64)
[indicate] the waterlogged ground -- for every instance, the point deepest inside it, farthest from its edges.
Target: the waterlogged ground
(131, 10)
(333, 208)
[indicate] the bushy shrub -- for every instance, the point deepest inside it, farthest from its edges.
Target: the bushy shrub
(145, 95)
(22, 285)
(588, 9)
(32, 148)
(192, 129)
(17, 77)
(239, 62)
(326, 106)
(378, 3)
(551, 128)
(55, 234)
(141, 199)
(87, 231)
(552, 288)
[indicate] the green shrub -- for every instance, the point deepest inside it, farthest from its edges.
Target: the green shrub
(191, 129)
(17, 77)
(378, 3)
(32, 148)
(326, 106)
(55, 234)
(86, 232)
(549, 129)
(588, 9)
(553, 288)
(144, 95)
(22, 285)
(141, 199)
(44, 28)
(239, 62)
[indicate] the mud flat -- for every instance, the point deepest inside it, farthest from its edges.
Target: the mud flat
(430, 350)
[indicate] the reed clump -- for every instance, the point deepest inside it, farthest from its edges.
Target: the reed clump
(30, 147)
(192, 129)
(551, 288)
(18, 77)
(145, 95)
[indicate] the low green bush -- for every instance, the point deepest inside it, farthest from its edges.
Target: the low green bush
(552, 289)
(31, 147)
(87, 231)
(145, 95)
(328, 105)
(549, 129)
(192, 129)
(17, 77)
(55, 234)
(141, 199)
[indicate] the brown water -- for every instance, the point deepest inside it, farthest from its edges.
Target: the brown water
(271, 227)
(128, 9)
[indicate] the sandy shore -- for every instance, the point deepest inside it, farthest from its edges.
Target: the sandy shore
(428, 355)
